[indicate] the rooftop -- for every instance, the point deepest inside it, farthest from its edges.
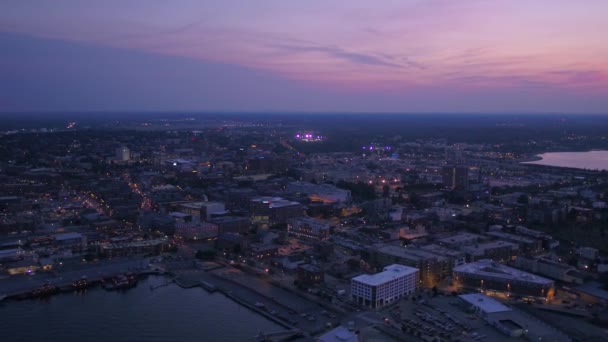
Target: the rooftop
(68, 236)
(479, 249)
(339, 334)
(409, 253)
(484, 303)
(274, 202)
(390, 272)
(459, 238)
(199, 205)
(487, 267)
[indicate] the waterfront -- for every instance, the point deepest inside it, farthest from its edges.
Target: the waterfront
(168, 313)
(591, 160)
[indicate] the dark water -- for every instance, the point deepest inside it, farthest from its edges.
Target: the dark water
(166, 314)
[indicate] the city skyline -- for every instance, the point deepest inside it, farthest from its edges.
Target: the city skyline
(406, 56)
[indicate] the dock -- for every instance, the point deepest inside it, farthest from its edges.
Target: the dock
(208, 286)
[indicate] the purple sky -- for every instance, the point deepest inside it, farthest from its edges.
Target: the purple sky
(313, 55)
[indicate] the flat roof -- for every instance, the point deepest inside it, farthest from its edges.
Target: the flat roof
(462, 237)
(409, 253)
(484, 303)
(339, 334)
(490, 268)
(593, 288)
(480, 249)
(514, 237)
(390, 272)
(199, 205)
(68, 236)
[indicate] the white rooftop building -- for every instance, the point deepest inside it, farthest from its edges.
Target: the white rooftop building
(484, 304)
(380, 289)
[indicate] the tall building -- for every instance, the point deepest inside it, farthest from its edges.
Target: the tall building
(123, 154)
(380, 289)
(455, 177)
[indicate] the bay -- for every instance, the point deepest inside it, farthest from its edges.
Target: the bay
(591, 160)
(168, 313)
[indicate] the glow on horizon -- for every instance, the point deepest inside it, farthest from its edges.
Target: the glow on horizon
(354, 46)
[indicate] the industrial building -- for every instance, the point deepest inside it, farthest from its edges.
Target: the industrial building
(488, 275)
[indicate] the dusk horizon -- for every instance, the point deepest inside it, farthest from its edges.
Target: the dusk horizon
(307, 171)
(410, 56)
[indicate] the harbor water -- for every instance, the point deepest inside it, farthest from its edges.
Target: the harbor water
(167, 313)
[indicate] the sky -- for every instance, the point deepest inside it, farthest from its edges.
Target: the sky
(313, 56)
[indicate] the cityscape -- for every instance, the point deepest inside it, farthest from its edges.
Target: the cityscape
(238, 172)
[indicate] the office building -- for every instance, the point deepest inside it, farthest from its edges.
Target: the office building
(380, 289)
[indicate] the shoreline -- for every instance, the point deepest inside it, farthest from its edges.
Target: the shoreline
(537, 160)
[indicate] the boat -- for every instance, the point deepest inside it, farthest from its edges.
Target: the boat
(260, 305)
(3, 297)
(121, 281)
(45, 290)
(81, 283)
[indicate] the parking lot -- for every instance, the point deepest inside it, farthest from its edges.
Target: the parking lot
(440, 319)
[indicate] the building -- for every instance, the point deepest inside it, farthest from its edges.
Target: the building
(269, 211)
(144, 247)
(74, 242)
(308, 228)
(232, 224)
(526, 244)
(510, 321)
(482, 304)
(455, 177)
(196, 230)
(263, 251)
(550, 268)
(495, 250)
(339, 334)
(455, 257)
(462, 239)
(488, 275)
(325, 193)
(11, 254)
(433, 268)
(309, 274)
(123, 154)
(380, 289)
(204, 210)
